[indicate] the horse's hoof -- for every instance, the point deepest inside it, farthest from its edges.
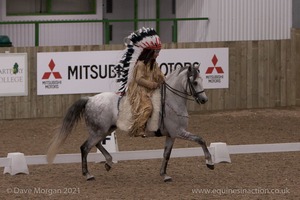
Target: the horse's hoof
(212, 167)
(90, 177)
(107, 167)
(167, 179)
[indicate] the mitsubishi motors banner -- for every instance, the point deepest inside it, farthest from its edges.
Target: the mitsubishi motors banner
(76, 72)
(92, 72)
(13, 74)
(213, 64)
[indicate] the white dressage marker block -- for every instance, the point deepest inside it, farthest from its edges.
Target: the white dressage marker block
(110, 144)
(220, 153)
(17, 164)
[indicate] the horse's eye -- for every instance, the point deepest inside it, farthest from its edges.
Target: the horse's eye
(195, 83)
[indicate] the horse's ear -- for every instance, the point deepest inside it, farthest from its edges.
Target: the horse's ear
(192, 75)
(190, 71)
(197, 67)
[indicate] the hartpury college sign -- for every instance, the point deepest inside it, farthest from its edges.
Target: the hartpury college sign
(92, 72)
(13, 74)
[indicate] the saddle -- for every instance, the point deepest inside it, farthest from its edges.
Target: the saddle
(125, 120)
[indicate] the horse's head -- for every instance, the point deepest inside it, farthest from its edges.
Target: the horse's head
(194, 85)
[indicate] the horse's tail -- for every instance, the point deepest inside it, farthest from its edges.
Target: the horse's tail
(70, 120)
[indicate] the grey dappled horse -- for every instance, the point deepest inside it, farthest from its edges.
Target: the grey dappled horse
(101, 114)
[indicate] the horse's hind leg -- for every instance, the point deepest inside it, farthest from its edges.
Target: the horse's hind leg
(108, 157)
(167, 153)
(85, 149)
(189, 136)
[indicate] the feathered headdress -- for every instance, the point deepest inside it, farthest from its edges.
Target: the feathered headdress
(144, 38)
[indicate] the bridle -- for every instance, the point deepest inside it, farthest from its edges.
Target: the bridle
(189, 85)
(193, 92)
(184, 95)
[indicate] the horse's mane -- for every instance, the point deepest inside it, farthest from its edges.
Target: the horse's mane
(176, 72)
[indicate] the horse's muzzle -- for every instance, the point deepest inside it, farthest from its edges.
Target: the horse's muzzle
(201, 99)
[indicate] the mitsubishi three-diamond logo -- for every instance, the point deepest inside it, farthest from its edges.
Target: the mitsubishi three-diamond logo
(51, 84)
(48, 74)
(214, 74)
(218, 68)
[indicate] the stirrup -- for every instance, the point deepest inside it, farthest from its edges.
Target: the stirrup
(141, 133)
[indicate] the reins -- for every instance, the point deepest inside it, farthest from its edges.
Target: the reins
(183, 94)
(179, 93)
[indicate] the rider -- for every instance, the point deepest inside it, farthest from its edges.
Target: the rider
(147, 77)
(140, 76)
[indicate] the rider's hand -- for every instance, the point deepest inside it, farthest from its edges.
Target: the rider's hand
(154, 85)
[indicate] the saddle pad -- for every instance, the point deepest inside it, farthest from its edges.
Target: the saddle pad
(125, 121)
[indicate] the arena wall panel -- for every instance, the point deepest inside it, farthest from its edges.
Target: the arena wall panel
(262, 74)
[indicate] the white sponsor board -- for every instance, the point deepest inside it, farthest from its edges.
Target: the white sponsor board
(13, 74)
(92, 72)
(76, 72)
(213, 62)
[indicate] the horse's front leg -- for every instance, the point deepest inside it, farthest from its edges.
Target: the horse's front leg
(167, 153)
(191, 137)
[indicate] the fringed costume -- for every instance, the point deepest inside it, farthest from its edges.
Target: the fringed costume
(140, 75)
(140, 91)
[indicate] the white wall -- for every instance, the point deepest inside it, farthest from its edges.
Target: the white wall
(147, 10)
(229, 20)
(193, 30)
(235, 19)
(65, 34)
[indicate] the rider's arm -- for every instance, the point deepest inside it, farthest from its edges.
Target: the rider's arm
(148, 84)
(141, 80)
